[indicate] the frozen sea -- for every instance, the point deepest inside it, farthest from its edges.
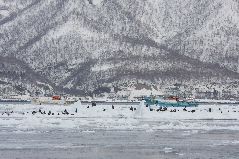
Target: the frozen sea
(104, 133)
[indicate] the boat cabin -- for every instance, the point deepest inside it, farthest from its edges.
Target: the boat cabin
(56, 97)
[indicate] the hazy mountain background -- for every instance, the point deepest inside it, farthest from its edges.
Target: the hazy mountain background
(85, 46)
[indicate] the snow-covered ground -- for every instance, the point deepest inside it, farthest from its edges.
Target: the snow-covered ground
(121, 117)
(103, 132)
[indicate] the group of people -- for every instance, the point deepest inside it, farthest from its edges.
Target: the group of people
(162, 109)
(40, 111)
(65, 112)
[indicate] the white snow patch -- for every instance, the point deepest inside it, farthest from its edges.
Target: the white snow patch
(4, 13)
(102, 67)
(73, 27)
(97, 2)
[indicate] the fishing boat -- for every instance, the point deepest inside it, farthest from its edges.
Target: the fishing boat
(14, 99)
(55, 100)
(170, 101)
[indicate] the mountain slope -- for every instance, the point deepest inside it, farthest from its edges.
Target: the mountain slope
(80, 46)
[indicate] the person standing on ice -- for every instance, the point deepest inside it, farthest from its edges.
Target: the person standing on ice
(131, 108)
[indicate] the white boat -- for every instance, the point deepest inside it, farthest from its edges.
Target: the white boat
(15, 99)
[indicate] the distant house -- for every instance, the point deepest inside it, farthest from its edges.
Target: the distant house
(204, 95)
(172, 90)
(227, 94)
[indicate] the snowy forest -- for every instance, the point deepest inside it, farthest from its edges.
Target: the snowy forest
(92, 46)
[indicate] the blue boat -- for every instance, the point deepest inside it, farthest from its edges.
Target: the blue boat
(171, 101)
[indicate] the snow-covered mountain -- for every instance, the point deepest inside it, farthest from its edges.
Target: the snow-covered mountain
(81, 46)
